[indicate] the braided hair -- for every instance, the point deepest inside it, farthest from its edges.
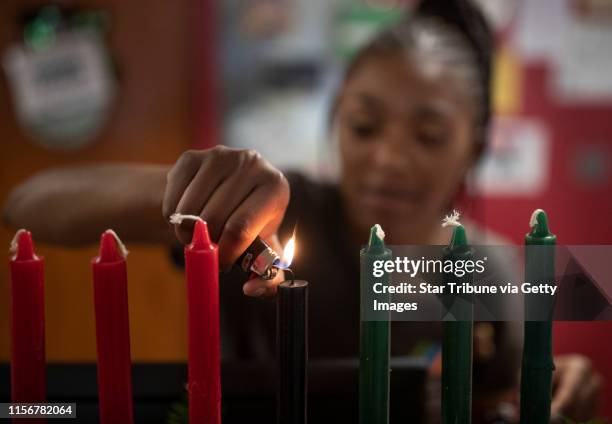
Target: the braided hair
(452, 32)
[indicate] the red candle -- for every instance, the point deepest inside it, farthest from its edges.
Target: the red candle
(27, 321)
(112, 331)
(204, 374)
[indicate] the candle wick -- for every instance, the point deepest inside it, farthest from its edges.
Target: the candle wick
(292, 282)
(533, 221)
(178, 218)
(452, 219)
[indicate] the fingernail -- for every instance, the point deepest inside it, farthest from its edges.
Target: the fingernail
(259, 292)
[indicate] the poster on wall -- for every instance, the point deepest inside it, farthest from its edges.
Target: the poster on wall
(574, 45)
(61, 82)
(585, 55)
(517, 162)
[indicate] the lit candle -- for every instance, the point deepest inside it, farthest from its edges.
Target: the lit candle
(374, 338)
(27, 321)
(457, 335)
(112, 331)
(292, 344)
(204, 357)
(537, 368)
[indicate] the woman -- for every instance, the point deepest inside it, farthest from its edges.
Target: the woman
(411, 119)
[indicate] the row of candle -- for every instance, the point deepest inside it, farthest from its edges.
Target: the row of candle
(204, 384)
(113, 339)
(28, 382)
(457, 328)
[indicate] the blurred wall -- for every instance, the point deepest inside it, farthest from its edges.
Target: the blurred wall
(556, 77)
(148, 123)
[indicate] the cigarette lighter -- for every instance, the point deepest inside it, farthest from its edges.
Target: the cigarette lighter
(260, 259)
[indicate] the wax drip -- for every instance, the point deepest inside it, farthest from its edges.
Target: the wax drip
(120, 245)
(14, 243)
(452, 220)
(178, 218)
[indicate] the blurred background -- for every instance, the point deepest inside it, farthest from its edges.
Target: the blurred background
(113, 80)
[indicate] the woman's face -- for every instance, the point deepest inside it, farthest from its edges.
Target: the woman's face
(406, 139)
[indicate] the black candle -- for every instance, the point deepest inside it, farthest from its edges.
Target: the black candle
(292, 344)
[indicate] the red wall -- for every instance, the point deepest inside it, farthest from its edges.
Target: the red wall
(578, 214)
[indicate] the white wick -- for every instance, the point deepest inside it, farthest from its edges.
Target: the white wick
(178, 218)
(452, 219)
(13, 246)
(533, 221)
(120, 245)
(379, 232)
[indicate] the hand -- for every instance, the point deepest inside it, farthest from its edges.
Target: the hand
(258, 287)
(577, 389)
(240, 196)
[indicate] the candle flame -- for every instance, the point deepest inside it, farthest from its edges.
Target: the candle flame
(288, 252)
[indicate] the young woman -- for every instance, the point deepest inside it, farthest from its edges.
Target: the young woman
(411, 119)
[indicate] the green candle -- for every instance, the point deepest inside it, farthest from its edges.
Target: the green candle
(374, 338)
(457, 336)
(537, 368)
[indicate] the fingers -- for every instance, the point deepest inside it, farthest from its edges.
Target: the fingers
(199, 190)
(568, 380)
(215, 203)
(589, 400)
(578, 388)
(228, 196)
(265, 288)
(248, 221)
(177, 180)
(190, 183)
(258, 287)
(238, 193)
(194, 197)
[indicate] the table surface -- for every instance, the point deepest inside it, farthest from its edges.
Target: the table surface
(249, 390)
